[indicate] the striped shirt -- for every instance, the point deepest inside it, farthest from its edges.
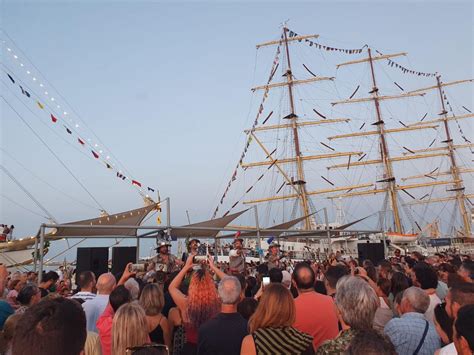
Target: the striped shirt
(286, 340)
(84, 295)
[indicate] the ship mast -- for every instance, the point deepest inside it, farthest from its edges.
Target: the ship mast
(389, 178)
(458, 182)
(299, 163)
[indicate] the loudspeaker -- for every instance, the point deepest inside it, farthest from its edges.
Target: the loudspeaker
(121, 256)
(92, 259)
(372, 251)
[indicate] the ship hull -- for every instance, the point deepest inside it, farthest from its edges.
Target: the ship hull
(400, 238)
(14, 258)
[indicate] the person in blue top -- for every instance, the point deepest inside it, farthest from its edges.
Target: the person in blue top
(412, 333)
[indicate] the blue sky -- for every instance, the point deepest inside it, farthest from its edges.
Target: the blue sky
(166, 86)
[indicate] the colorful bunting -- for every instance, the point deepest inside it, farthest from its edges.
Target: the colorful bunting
(292, 34)
(24, 92)
(54, 119)
(404, 70)
(135, 182)
(249, 139)
(13, 81)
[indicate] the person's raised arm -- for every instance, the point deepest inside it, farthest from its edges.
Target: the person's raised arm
(178, 297)
(219, 273)
(127, 273)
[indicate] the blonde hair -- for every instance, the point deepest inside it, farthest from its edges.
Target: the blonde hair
(152, 299)
(129, 328)
(276, 309)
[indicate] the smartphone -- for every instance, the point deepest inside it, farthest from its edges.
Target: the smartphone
(199, 258)
(266, 280)
(137, 267)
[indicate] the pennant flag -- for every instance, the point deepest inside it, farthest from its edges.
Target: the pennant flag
(68, 130)
(135, 182)
(150, 189)
(13, 81)
(237, 234)
(269, 240)
(81, 141)
(24, 92)
(54, 119)
(108, 166)
(95, 154)
(40, 105)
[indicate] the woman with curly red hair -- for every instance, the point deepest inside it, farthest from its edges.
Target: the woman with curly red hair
(201, 304)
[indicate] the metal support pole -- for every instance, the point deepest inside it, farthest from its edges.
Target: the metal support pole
(35, 255)
(168, 216)
(138, 248)
(327, 230)
(384, 240)
(259, 241)
(40, 271)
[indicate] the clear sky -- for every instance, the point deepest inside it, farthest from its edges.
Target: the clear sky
(165, 85)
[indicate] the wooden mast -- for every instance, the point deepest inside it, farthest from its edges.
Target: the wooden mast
(458, 182)
(391, 182)
(299, 163)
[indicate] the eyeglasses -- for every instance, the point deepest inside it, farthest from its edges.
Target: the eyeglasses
(155, 349)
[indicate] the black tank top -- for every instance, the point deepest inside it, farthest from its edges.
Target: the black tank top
(156, 335)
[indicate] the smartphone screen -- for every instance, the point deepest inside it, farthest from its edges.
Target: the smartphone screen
(266, 281)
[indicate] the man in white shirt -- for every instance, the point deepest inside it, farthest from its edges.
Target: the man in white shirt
(86, 282)
(96, 306)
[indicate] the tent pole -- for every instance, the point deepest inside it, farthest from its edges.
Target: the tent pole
(168, 216)
(35, 255)
(41, 256)
(259, 241)
(327, 230)
(138, 248)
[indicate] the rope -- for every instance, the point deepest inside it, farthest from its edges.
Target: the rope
(25, 208)
(44, 181)
(28, 193)
(54, 154)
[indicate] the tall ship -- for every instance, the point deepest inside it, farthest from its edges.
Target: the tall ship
(354, 133)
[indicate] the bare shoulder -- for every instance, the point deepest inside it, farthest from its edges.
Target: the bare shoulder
(248, 346)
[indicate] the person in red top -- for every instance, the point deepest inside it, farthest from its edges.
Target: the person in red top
(119, 296)
(315, 313)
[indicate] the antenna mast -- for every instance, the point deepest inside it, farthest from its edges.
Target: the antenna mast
(389, 178)
(299, 163)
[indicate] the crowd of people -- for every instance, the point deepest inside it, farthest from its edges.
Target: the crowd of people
(406, 304)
